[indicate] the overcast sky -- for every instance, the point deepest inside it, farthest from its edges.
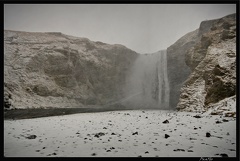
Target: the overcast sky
(144, 28)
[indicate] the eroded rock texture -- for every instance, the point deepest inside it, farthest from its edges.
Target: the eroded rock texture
(213, 64)
(56, 70)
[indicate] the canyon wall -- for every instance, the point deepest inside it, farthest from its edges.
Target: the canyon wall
(55, 70)
(212, 60)
(178, 63)
(44, 70)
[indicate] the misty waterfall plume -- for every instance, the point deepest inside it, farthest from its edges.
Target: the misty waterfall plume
(147, 84)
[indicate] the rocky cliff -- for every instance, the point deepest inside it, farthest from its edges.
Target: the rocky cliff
(178, 59)
(212, 60)
(55, 70)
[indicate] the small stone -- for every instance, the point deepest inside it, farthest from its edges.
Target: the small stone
(93, 154)
(224, 155)
(146, 152)
(178, 150)
(208, 134)
(165, 122)
(31, 137)
(197, 116)
(218, 122)
(167, 136)
(135, 133)
(225, 120)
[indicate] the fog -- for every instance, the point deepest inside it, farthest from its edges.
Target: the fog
(144, 28)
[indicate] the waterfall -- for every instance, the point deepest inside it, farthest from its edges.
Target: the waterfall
(147, 84)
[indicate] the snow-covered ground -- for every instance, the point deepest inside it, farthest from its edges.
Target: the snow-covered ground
(122, 133)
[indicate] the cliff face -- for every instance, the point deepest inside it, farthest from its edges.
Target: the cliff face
(213, 64)
(56, 70)
(180, 62)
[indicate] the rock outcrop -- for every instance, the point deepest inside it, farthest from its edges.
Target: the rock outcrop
(55, 70)
(213, 64)
(180, 62)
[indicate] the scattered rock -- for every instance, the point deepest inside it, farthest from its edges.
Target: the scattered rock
(225, 120)
(178, 150)
(93, 154)
(197, 116)
(31, 137)
(99, 134)
(232, 149)
(218, 122)
(113, 133)
(135, 133)
(190, 151)
(223, 155)
(208, 134)
(166, 136)
(165, 122)
(230, 114)
(146, 152)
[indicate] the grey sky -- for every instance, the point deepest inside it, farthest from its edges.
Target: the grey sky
(144, 28)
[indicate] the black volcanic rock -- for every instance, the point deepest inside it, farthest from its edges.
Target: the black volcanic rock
(208, 134)
(166, 136)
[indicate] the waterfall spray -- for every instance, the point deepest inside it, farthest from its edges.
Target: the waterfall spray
(149, 76)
